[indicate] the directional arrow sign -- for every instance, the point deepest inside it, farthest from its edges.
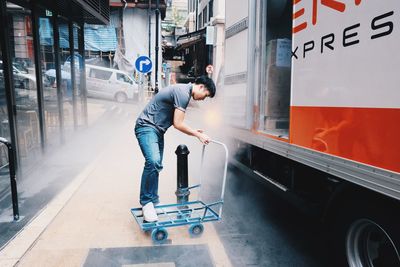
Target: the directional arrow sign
(143, 64)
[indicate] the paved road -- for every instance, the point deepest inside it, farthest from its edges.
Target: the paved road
(258, 228)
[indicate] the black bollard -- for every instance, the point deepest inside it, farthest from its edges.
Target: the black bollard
(182, 191)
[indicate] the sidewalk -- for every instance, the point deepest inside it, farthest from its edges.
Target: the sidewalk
(43, 177)
(90, 224)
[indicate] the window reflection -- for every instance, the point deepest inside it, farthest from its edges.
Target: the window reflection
(79, 96)
(50, 103)
(66, 83)
(25, 90)
(4, 129)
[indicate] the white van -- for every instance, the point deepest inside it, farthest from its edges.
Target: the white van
(110, 83)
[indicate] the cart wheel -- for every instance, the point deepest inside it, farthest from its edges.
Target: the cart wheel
(159, 234)
(196, 229)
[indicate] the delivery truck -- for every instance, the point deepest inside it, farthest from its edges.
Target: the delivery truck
(311, 94)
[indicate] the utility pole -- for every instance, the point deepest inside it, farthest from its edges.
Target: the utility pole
(149, 14)
(156, 55)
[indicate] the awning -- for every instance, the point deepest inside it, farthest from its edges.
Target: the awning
(188, 43)
(89, 11)
(97, 37)
(190, 39)
(143, 4)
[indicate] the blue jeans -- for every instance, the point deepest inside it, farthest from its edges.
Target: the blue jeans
(151, 143)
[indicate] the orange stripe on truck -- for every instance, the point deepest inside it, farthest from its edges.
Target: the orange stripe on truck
(366, 135)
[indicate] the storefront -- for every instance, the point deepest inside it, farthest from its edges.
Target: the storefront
(42, 81)
(196, 54)
(42, 86)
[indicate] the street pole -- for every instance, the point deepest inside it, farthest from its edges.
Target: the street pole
(149, 14)
(156, 55)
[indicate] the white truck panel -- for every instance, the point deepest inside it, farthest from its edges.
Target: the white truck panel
(235, 104)
(236, 51)
(361, 75)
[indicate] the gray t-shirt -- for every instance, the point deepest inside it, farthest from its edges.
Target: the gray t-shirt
(159, 112)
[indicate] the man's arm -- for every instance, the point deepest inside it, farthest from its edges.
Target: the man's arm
(179, 117)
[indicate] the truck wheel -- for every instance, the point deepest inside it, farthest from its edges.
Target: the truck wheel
(121, 97)
(367, 234)
(370, 243)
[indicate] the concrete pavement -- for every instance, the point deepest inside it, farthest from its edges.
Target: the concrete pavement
(89, 223)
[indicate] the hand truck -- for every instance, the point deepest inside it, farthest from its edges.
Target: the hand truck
(193, 213)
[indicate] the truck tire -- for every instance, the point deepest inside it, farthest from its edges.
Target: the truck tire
(369, 236)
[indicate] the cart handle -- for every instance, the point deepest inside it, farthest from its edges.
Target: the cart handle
(190, 187)
(225, 167)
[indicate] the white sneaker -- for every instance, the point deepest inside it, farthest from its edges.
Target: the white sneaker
(149, 213)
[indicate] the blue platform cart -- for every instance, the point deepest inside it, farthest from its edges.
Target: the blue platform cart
(192, 213)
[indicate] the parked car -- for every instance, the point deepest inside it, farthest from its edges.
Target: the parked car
(109, 83)
(22, 79)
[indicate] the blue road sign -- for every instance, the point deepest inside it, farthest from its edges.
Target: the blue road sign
(143, 64)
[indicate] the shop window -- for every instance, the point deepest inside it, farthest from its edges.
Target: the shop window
(80, 99)
(47, 59)
(25, 90)
(4, 129)
(66, 82)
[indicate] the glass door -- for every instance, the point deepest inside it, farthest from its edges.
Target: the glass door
(25, 90)
(66, 81)
(4, 132)
(47, 56)
(80, 99)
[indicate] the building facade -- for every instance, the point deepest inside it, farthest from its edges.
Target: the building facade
(202, 46)
(137, 35)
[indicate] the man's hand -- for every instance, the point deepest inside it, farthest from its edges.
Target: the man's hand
(205, 139)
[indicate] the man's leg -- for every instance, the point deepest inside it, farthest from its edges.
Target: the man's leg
(149, 142)
(155, 188)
